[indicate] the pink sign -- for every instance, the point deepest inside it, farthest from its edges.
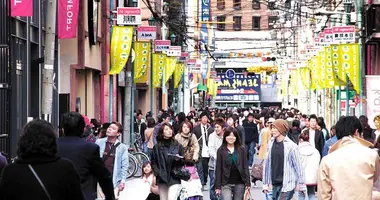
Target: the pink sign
(343, 29)
(67, 18)
(146, 28)
(21, 8)
(373, 98)
(128, 11)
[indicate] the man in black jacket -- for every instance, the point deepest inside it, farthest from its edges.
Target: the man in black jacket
(315, 134)
(85, 157)
(251, 137)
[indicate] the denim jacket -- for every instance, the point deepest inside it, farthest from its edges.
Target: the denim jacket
(120, 167)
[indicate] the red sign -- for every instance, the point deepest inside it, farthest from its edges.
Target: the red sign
(67, 18)
(344, 29)
(21, 8)
(184, 54)
(128, 11)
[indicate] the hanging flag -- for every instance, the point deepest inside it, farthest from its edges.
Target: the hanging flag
(169, 67)
(329, 73)
(159, 62)
(142, 61)
(22, 8)
(67, 18)
(313, 73)
(215, 88)
(121, 45)
(322, 70)
(177, 75)
(350, 63)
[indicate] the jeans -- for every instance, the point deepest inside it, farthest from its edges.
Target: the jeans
(310, 193)
(251, 152)
(202, 169)
(233, 192)
(278, 195)
(211, 173)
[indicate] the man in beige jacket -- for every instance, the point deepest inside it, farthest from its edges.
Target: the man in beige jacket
(351, 167)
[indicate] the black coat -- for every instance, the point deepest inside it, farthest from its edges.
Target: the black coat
(319, 140)
(58, 175)
(90, 167)
(223, 166)
(251, 132)
(198, 132)
(162, 163)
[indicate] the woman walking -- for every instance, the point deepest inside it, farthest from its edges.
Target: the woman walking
(166, 157)
(232, 173)
(310, 158)
(149, 136)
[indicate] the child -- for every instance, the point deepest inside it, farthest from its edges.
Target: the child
(149, 177)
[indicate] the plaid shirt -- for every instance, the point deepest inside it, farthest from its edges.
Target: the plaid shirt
(293, 171)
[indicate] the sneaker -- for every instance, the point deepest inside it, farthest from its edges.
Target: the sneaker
(204, 188)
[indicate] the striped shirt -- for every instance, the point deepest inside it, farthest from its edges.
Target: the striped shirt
(293, 171)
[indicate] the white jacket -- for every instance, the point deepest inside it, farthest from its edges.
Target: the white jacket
(310, 159)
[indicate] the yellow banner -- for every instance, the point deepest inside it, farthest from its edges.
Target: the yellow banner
(159, 62)
(142, 61)
(294, 83)
(350, 63)
(313, 71)
(169, 67)
(121, 44)
(215, 88)
(321, 70)
(329, 72)
(179, 69)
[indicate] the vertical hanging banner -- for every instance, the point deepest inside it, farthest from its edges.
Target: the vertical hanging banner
(179, 70)
(121, 45)
(350, 56)
(329, 72)
(67, 18)
(142, 60)
(169, 67)
(22, 8)
(159, 61)
(373, 98)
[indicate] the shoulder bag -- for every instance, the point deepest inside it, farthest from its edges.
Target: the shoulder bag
(112, 151)
(39, 180)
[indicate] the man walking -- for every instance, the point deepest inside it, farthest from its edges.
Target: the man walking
(282, 168)
(85, 157)
(350, 169)
(202, 131)
(251, 137)
(315, 136)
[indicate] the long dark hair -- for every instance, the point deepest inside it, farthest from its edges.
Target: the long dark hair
(227, 132)
(160, 134)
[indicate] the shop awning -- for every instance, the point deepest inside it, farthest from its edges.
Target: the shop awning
(202, 87)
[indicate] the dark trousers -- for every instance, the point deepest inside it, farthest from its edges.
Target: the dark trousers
(202, 168)
(250, 152)
(278, 195)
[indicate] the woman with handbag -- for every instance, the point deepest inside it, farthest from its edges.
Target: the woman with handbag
(38, 173)
(232, 180)
(167, 163)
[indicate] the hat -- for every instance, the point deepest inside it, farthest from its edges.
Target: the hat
(281, 125)
(271, 120)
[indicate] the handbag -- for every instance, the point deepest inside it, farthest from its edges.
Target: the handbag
(181, 173)
(39, 180)
(189, 150)
(257, 171)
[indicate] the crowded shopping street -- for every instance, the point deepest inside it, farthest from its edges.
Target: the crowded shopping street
(189, 100)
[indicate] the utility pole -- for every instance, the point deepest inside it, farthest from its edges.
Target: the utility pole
(48, 70)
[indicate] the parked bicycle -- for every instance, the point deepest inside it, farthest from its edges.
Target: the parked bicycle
(136, 160)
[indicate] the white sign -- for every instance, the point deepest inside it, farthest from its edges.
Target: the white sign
(328, 36)
(146, 33)
(174, 51)
(343, 34)
(128, 16)
(162, 45)
(373, 98)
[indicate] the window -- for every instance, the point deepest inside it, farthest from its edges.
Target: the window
(271, 5)
(237, 4)
(221, 26)
(256, 23)
(237, 23)
(271, 21)
(256, 4)
(220, 4)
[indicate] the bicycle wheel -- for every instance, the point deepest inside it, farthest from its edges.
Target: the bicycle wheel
(132, 167)
(141, 159)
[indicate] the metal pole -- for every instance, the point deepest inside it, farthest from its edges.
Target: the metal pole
(48, 70)
(39, 56)
(26, 74)
(361, 63)
(347, 79)
(309, 102)
(151, 77)
(339, 101)
(110, 103)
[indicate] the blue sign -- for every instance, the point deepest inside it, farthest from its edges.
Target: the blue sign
(230, 73)
(204, 54)
(239, 88)
(205, 9)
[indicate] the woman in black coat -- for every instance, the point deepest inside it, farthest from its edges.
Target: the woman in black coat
(166, 156)
(232, 173)
(37, 149)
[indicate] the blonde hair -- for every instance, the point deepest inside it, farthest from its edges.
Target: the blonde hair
(376, 118)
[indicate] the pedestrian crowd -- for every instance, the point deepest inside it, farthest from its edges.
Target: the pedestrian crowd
(208, 149)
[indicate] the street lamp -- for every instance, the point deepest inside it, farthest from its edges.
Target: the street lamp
(152, 21)
(359, 11)
(173, 38)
